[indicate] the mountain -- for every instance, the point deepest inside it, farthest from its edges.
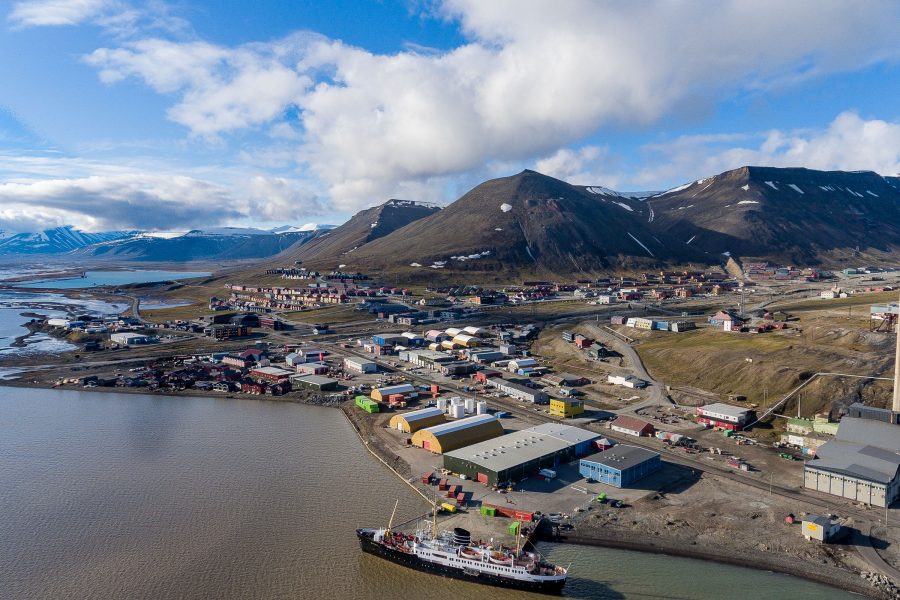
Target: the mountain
(219, 243)
(794, 215)
(56, 240)
(527, 221)
(333, 247)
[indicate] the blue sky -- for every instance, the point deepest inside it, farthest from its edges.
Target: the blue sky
(265, 113)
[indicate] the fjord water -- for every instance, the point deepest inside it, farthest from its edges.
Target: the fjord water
(108, 495)
(97, 278)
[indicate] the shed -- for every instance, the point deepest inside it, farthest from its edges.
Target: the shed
(821, 529)
(457, 434)
(632, 426)
(418, 419)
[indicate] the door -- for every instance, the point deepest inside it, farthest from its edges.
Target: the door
(426, 444)
(482, 477)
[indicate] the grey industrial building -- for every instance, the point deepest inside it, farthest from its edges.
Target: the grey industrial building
(520, 454)
(861, 463)
(519, 391)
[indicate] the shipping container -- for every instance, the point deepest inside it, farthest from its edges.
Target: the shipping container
(461, 498)
(514, 528)
(488, 511)
(442, 485)
(426, 478)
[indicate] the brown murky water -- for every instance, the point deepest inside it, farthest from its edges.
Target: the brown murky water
(126, 496)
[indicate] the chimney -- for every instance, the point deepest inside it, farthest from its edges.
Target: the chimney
(896, 404)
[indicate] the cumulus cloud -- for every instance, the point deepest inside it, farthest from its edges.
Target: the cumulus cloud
(532, 78)
(123, 198)
(848, 143)
(583, 166)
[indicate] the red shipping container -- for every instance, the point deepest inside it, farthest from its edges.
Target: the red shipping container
(426, 478)
(442, 485)
(460, 497)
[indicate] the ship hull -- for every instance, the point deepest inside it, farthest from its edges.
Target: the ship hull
(412, 561)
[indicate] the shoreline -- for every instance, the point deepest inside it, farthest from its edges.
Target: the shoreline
(747, 561)
(851, 581)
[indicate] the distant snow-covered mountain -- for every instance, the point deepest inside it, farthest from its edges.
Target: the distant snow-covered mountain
(56, 240)
(213, 243)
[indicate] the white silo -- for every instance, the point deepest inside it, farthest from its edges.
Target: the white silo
(470, 405)
(458, 411)
(442, 404)
(481, 408)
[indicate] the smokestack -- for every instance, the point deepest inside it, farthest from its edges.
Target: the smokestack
(896, 404)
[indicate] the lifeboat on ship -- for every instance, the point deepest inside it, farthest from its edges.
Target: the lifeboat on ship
(498, 558)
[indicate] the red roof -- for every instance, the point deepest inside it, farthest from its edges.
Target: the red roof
(632, 424)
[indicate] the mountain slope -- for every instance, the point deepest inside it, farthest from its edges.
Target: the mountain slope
(792, 215)
(56, 240)
(329, 249)
(527, 221)
(216, 244)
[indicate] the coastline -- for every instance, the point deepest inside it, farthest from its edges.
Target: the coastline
(748, 557)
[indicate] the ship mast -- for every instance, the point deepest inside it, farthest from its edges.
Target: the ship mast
(434, 520)
(391, 522)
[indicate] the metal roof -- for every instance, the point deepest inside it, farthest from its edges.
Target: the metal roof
(863, 448)
(316, 380)
(515, 448)
(566, 433)
(725, 409)
(422, 413)
(403, 388)
(621, 457)
(452, 426)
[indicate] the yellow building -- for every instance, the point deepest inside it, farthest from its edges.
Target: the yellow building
(457, 434)
(413, 421)
(566, 408)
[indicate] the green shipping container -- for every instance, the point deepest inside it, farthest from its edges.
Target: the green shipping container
(370, 406)
(488, 511)
(513, 528)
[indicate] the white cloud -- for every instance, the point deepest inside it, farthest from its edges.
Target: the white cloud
(583, 166)
(533, 78)
(848, 143)
(46, 191)
(35, 13)
(118, 17)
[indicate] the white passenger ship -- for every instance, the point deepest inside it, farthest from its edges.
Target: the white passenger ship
(452, 554)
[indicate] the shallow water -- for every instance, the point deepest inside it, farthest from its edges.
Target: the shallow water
(108, 495)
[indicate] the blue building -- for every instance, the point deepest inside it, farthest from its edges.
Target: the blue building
(620, 466)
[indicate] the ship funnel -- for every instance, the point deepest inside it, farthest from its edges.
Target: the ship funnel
(461, 536)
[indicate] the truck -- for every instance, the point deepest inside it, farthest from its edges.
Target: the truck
(547, 473)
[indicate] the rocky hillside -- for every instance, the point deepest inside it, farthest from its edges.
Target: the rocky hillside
(335, 247)
(798, 216)
(528, 222)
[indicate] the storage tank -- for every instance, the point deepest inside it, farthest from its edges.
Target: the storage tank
(481, 408)
(458, 411)
(456, 401)
(442, 404)
(470, 405)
